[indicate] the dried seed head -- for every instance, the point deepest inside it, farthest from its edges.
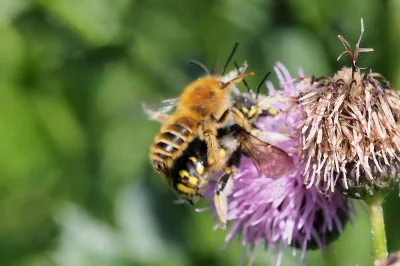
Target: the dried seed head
(351, 132)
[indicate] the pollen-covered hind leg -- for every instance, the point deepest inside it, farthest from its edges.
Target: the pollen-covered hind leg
(222, 190)
(209, 135)
(213, 150)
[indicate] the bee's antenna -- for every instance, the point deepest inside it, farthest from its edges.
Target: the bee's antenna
(230, 58)
(241, 77)
(214, 67)
(261, 83)
(244, 81)
(198, 64)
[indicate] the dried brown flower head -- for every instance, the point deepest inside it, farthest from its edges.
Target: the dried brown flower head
(350, 131)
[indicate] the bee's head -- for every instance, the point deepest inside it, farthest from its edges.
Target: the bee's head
(247, 104)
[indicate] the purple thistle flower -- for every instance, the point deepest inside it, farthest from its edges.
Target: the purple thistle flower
(282, 212)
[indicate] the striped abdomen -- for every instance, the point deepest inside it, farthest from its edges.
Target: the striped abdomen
(171, 142)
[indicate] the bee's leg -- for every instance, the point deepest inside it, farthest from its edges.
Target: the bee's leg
(208, 133)
(240, 119)
(210, 137)
(224, 117)
(224, 187)
(213, 150)
(222, 190)
(158, 116)
(213, 147)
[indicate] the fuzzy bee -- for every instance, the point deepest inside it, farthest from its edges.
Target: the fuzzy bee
(192, 171)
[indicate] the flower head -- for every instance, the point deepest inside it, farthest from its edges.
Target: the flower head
(282, 212)
(351, 130)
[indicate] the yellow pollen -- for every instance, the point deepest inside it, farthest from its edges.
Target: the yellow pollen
(253, 110)
(199, 168)
(272, 111)
(222, 153)
(193, 180)
(230, 171)
(184, 173)
(182, 188)
(254, 132)
(245, 110)
(193, 159)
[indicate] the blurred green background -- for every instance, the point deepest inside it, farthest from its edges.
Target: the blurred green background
(76, 186)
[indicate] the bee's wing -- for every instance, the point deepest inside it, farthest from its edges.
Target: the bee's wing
(269, 160)
(160, 114)
(220, 198)
(221, 207)
(168, 105)
(272, 137)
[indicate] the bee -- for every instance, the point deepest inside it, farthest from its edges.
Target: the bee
(199, 141)
(193, 170)
(202, 108)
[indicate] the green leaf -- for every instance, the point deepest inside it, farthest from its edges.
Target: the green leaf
(10, 9)
(12, 52)
(96, 21)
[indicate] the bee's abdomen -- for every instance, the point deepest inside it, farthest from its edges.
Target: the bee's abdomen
(170, 143)
(187, 174)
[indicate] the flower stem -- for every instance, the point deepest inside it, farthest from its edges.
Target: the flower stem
(377, 225)
(329, 256)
